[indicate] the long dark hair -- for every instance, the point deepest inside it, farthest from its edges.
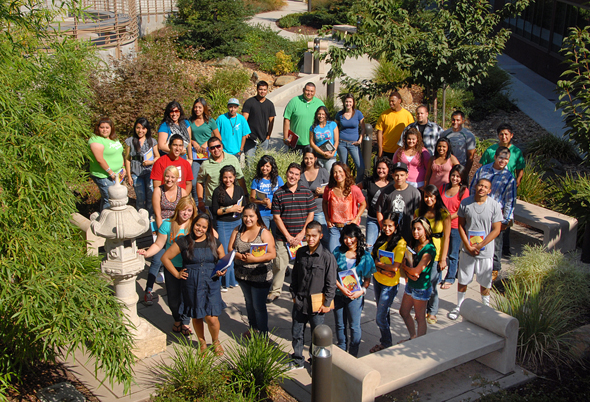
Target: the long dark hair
(221, 187)
(309, 150)
(206, 110)
(274, 171)
(449, 147)
(316, 122)
(384, 239)
(254, 208)
(173, 105)
(439, 205)
(460, 169)
(352, 230)
(387, 162)
(348, 181)
(148, 136)
(211, 241)
(348, 96)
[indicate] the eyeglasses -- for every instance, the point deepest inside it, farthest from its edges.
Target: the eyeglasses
(215, 146)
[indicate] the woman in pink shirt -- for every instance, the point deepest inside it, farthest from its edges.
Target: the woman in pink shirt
(343, 202)
(452, 194)
(415, 156)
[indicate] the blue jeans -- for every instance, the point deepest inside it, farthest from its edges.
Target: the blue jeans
(384, 296)
(256, 305)
(454, 246)
(143, 192)
(250, 150)
(224, 229)
(334, 238)
(348, 312)
(432, 307)
(103, 186)
(154, 268)
(196, 166)
(372, 232)
(321, 218)
(174, 292)
(298, 332)
(345, 148)
(327, 163)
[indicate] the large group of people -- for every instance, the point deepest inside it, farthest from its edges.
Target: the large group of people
(423, 216)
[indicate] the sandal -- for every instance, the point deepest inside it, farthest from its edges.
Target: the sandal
(454, 314)
(432, 319)
(218, 348)
(177, 327)
(377, 348)
(404, 340)
(446, 285)
(186, 330)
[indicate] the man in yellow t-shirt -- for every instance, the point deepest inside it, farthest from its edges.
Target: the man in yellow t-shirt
(391, 124)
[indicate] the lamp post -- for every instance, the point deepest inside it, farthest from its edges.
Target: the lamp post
(321, 366)
(367, 148)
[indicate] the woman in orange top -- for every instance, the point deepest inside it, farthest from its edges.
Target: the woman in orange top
(343, 202)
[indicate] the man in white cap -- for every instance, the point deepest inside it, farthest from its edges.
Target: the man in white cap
(233, 128)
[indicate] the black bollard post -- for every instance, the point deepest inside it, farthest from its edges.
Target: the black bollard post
(316, 54)
(321, 366)
(367, 148)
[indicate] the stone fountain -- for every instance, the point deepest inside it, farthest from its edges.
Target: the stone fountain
(117, 224)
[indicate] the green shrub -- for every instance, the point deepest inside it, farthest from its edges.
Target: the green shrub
(387, 72)
(378, 106)
(548, 145)
(282, 157)
(193, 376)
(548, 294)
(482, 145)
(491, 95)
(339, 9)
(456, 99)
(330, 103)
(216, 28)
(257, 363)
(141, 85)
(218, 101)
(262, 45)
(290, 20)
(532, 187)
(315, 19)
(233, 81)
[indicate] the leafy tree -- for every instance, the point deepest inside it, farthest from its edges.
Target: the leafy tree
(573, 88)
(213, 28)
(53, 297)
(439, 42)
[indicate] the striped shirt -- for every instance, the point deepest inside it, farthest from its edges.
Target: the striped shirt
(293, 208)
(503, 188)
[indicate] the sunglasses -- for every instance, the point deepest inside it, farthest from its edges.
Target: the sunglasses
(175, 111)
(215, 146)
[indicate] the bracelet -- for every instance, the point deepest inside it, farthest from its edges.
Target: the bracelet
(109, 170)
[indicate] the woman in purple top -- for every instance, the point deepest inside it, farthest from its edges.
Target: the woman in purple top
(351, 124)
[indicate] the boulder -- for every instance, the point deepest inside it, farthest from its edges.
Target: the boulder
(407, 98)
(580, 341)
(284, 80)
(228, 62)
(260, 76)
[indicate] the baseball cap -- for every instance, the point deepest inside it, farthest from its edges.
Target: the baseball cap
(233, 101)
(400, 166)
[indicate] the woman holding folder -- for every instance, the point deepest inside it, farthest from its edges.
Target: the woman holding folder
(201, 292)
(255, 250)
(141, 151)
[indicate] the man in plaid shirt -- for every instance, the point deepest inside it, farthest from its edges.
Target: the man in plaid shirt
(430, 131)
(504, 191)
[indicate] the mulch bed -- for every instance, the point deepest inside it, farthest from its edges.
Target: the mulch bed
(303, 30)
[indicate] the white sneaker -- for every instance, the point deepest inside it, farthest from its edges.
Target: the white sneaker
(454, 314)
(223, 289)
(160, 277)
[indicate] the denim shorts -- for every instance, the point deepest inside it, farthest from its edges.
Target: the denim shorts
(419, 294)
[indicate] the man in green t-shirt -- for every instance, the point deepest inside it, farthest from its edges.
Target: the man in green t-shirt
(299, 115)
(517, 163)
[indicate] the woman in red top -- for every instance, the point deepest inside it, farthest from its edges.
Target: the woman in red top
(343, 202)
(452, 194)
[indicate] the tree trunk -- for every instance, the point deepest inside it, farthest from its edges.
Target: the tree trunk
(444, 114)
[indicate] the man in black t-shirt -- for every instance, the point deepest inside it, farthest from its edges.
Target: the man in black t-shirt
(260, 113)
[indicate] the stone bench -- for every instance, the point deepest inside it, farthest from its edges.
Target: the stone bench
(559, 231)
(484, 334)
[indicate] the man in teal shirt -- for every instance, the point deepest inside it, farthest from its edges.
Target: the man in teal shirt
(517, 163)
(299, 115)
